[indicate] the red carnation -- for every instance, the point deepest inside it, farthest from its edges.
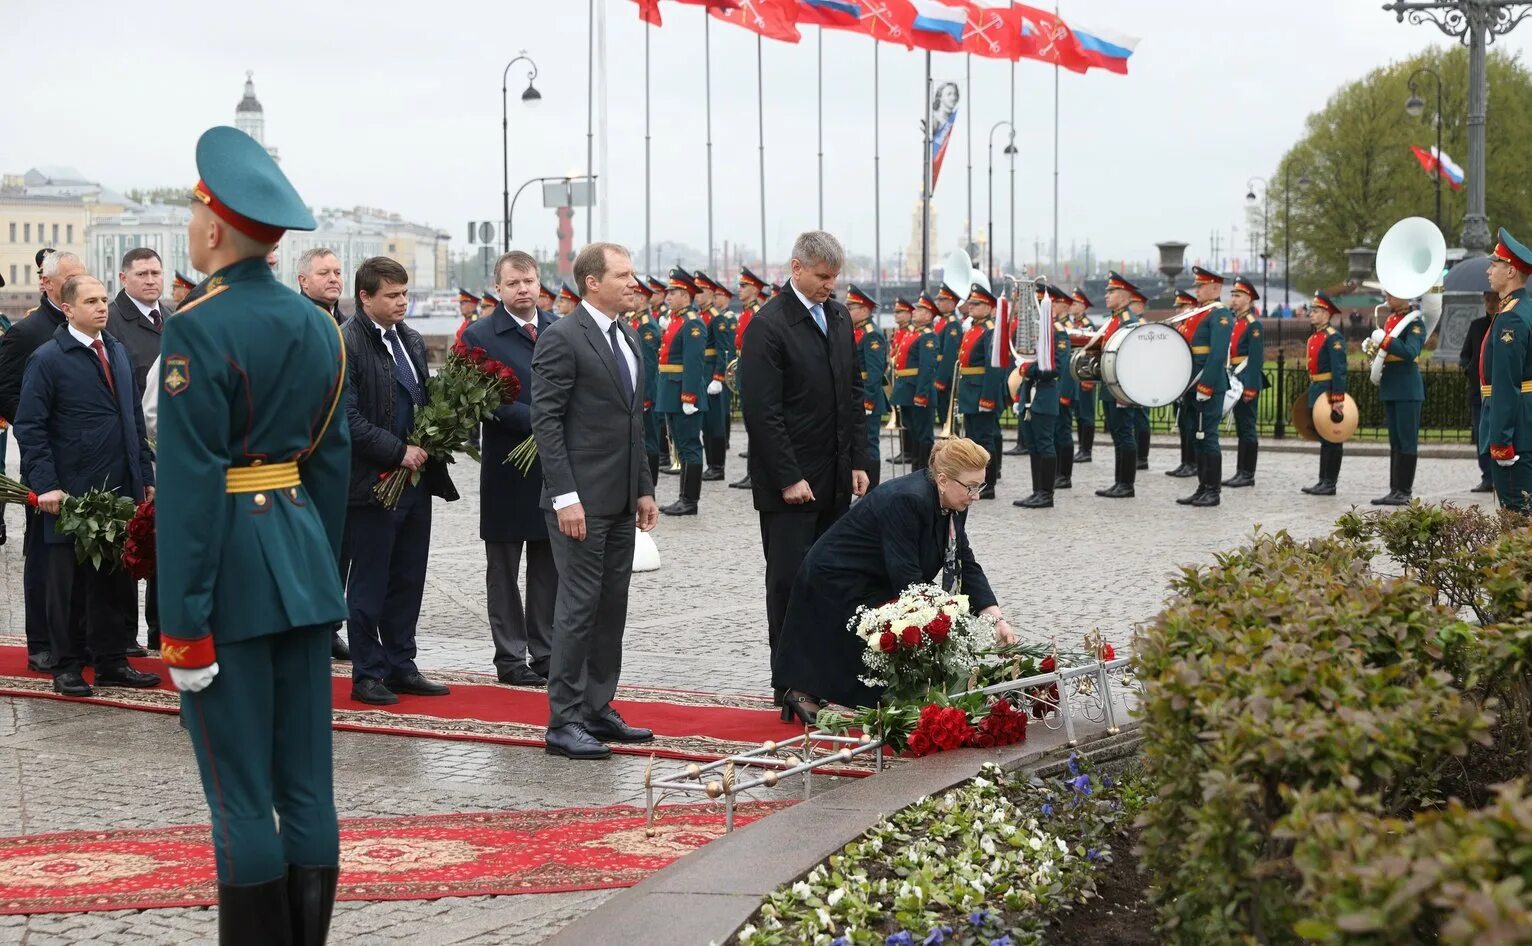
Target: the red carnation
(910, 636)
(887, 642)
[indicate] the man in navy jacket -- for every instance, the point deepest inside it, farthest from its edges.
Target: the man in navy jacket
(81, 427)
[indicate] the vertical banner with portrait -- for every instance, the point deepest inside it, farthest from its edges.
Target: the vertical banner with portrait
(943, 118)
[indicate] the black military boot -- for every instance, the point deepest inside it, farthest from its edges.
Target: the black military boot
(654, 468)
(1211, 471)
(712, 452)
(920, 456)
(691, 491)
(1123, 475)
(991, 474)
(1142, 436)
(1387, 499)
(903, 456)
(1188, 465)
(1244, 473)
(1407, 477)
(1020, 449)
(1087, 441)
(310, 901)
(1044, 469)
(1066, 462)
(1202, 486)
(1329, 470)
(254, 914)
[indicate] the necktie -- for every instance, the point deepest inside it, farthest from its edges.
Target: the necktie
(531, 331)
(818, 311)
(402, 369)
(106, 366)
(154, 318)
(622, 362)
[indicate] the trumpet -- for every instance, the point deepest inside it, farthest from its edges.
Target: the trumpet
(952, 423)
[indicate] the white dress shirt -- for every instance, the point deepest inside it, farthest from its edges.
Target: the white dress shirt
(383, 333)
(144, 310)
(604, 324)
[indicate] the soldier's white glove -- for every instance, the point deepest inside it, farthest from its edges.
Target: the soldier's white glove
(1018, 408)
(1377, 336)
(193, 681)
(1510, 462)
(688, 409)
(715, 387)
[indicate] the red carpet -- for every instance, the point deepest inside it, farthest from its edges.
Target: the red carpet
(420, 858)
(687, 724)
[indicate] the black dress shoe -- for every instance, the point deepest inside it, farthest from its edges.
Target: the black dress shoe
(415, 685)
(523, 676)
(40, 662)
(369, 690)
(135, 649)
(1019, 451)
(681, 507)
(1485, 486)
(742, 483)
(743, 454)
(608, 726)
(338, 648)
(1182, 471)
(71, 684)
(574, 742)
(712, 474)
(126, 676)
(988, 492)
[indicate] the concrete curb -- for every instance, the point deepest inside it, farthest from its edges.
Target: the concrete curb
(709, 894)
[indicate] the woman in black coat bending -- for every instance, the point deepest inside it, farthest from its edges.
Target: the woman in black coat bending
(907, 531)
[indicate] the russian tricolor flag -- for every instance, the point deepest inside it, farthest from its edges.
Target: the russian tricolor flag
(1437, 162)
(1104, 49)
(841, 13)
(942, 25)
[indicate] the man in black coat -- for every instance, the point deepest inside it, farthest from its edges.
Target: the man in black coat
(16, 346)
(320, 282)
(802, 403)
(509, 513)
(137, 316)
(387, 548)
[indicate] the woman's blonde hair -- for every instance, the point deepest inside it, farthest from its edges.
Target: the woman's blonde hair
(953, 456)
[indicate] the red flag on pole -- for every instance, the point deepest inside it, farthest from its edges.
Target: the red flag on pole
(649, 12)
(1043, 36)
(773, 19)
(989, 31)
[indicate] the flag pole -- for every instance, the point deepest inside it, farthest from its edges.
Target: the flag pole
(1012, 158)
(968, 136)
(590, 118)
(648, 241)
(821, 95)
(760, 117)
(877, 192)
(707, 78)
(925, 184)
(1054, 264)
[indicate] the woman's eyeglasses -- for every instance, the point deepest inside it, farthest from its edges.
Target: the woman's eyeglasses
(974, 489)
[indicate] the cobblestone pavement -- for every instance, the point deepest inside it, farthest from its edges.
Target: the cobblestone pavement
(697, 623)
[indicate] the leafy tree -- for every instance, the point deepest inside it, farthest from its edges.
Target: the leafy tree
(1362, 177)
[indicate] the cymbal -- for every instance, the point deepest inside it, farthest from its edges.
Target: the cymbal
(1302, 419)
(1330, 431)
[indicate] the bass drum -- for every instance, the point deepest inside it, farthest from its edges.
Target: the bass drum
(1147, 364)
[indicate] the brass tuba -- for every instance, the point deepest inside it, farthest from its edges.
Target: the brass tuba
(731, 376)
(1410, 262)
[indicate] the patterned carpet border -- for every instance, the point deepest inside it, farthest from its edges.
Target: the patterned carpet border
(424, 857)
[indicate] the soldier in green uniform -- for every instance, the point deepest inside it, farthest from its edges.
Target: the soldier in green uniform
(872, 353)
(752, 295)
(1327, 379)
(915, 382)
(1400, 386)
(1204, 402)
(683, 388)
(1119, 417)
(1084, 398)
(1186, 427)
(1505, 376)
(1069, 397)
(1037, 403)
(254, 468)
(648, 331)
(1247, 358)
(949, 331)
(979, 391)
(720, 400)
(904, 312)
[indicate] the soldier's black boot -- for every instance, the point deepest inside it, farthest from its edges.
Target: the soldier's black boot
(1387, 499)
(254, 914)
(1188, 465)
(1142, 436)
(1087, 441)
(1044, 469)
(1329, 470)
(991, 474)
(713, 450)
(1211, 471)
(920, 456)
(903, 456)
(1406, 478)
(1244, 474)
(1020, 449)
(1123, 475)
(1066, 463)
(742, 483)
(1202, 486)
(691, 491)
(310, 901)
(654, 468)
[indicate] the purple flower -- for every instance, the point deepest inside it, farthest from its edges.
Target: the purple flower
(1107, 781)
(1002, 941)
(938, 935)
(1047, 811)
(1081, 784)
(1074, 763)
(901, 938)
(840, 941)
(1092, 854)
(979, 918)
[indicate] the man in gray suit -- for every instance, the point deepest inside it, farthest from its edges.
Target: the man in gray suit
(587, 416)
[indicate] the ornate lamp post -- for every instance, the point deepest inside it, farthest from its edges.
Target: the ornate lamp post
(532, 98)
(1416, 107)
(1474, 23)
(1265, 226)
(1172, 261)
(1010, 149)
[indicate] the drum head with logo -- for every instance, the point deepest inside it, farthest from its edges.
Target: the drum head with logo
(1148, 364)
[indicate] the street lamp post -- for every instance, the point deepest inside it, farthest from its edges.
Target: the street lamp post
(1416, 106)
(1474, 23)
(1265, 226)
(1010, 148)
(531, 97)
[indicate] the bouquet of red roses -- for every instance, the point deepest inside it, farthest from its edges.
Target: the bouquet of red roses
(138, 548)
(459, 397)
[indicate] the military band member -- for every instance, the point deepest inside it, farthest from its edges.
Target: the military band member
(1203, 404)
(1327, 379)
(1119, 417)
(914, 383)
(903, 311)
(1402, 391)
(1084, 406)
(254, 471)
(1247, 359)
(979, 396)
(487, 304)
(1505, 376)
(872, 352)
(1186, 425)
(545, 297)
(566, 301)
(683, 388)
(948, 327)
(1137, 304)
(1069, 397)
(720, 400)
(752, 295)
(647, 328)
(1037, 404)
(180, 288)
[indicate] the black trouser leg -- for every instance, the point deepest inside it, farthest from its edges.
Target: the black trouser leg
(786, 538)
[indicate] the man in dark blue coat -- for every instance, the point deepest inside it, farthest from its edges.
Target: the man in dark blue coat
(80, 427)
(509, 516)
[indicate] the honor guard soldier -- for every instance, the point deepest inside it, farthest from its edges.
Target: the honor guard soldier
(565, 302)
(1084, 406)
(1400, 386)
(1327, 379)
(949, 331)
(683, 388)
(1069, 395)
(1119, 417)
(872, 353)
(1037, 403)
(487, 304)
(180, 288)
(1247, 359)
(1203, 404)
(903, 311)
(720, 400)
(752, 289)
(1137, 304)
(1505, 375)
(978, 397)
(545, 298)
(1186, 425)
(254, 471)
(647, 328)
(915, 383)
(467, 305)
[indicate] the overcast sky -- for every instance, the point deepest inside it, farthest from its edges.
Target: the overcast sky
(397, 105)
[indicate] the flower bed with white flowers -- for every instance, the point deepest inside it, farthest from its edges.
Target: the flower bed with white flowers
(994, 861)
